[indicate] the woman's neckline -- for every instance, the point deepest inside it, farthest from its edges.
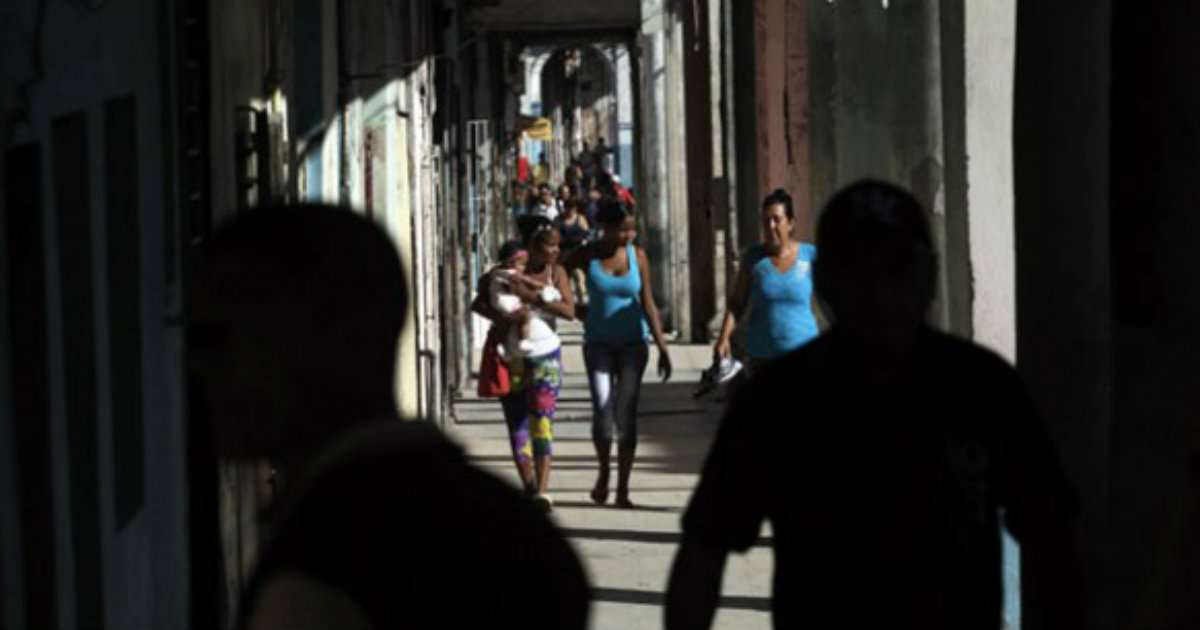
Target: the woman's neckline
(545, 268)
(795, 261)
(628, 262)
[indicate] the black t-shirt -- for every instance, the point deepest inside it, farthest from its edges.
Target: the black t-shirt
(418, 538)
(883, 494)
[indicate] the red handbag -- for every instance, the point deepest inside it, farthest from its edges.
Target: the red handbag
(493, 372)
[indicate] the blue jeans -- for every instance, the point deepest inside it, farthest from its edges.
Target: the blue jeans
(615, 380)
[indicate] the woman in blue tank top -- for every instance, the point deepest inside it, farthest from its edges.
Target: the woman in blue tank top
(775, 283)
(621, 316)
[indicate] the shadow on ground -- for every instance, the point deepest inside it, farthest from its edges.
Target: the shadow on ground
(654, 598)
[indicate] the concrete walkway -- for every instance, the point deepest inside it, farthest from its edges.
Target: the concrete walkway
(628, 553)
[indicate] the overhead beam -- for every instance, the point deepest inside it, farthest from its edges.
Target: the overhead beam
(552, 14)
(566, 36)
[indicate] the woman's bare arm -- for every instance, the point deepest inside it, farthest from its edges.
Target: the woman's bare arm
(735, 306)
(651, 311)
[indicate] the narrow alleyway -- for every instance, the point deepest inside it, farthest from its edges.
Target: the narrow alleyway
(628, 553)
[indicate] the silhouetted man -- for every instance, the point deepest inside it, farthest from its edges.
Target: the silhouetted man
(882, 453)
(383, 524)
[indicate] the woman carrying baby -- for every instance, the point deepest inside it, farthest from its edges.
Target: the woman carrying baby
(539, 375)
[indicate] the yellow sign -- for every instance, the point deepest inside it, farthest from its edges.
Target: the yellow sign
(540, 129)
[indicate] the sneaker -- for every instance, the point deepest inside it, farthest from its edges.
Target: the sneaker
(719, 373)
(727, 368)
(544, 501)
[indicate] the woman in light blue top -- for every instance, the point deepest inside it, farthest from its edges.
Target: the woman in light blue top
(775, 283)
(621, 316)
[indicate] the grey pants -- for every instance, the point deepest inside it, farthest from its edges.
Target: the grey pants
(615, 380)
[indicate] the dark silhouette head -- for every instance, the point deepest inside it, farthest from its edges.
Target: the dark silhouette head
(876, 267)
(604, 182)
(574, 204)
(294, 330)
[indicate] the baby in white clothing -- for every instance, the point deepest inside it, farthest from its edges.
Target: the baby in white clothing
(532, 330)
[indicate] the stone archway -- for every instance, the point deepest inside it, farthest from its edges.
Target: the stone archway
(578, 90)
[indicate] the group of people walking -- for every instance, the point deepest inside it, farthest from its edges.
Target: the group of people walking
(882, 452)
(772, 299)
(620, 319)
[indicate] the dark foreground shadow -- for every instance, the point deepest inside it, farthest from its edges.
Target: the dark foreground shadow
(629, 596)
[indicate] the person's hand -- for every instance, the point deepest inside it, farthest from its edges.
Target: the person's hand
(664, 363)
(721, 349)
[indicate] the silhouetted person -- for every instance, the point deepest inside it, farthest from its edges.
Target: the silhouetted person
(882, 452)
(383, 524)
(601, 153)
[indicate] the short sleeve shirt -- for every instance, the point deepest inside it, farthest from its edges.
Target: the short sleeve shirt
(892, 488)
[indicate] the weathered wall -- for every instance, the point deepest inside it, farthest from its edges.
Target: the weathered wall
(653, 195)
(990, 53)
(110, 548)
(886, 101)
(781, 86)
(698, 128)
(252, 47)
(676, 143)
(822, 99)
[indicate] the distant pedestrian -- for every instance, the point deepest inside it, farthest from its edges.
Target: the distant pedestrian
(587, 160)
(575, 177)
(593, 205)
(602, 155)
(882, 453)
(774, 283)
(576, 232)
(541, 170)
(574, 226)
(621, 316)
(546, 205)
(292, 341)
(564, 192)
(622, 193)
(520, 200)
